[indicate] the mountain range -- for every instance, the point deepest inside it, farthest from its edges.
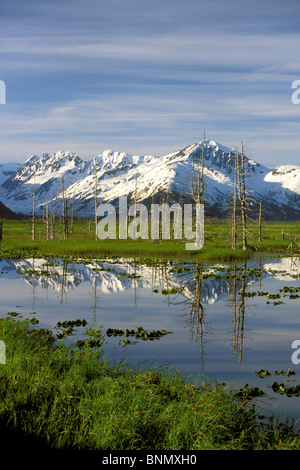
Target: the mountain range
(147, 178)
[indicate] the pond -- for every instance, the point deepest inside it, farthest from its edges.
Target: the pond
(222, 321)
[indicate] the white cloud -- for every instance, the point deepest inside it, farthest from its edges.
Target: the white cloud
(148, 76)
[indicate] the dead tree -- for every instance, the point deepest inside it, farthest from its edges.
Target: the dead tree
(33, 212)
(96, 198)
(234, 211)
(72, 215)
(52, 221)
(260, 222)
(242, 195)
(64, 211)
(197, 177)
(243, 202)
(197, 183)
(47, 219)
(135, 192)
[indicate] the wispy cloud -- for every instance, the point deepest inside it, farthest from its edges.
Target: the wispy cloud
(146, 77)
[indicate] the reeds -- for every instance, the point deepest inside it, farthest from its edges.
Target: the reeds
(70, 398)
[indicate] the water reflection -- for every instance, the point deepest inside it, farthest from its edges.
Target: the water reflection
(197, 285)
(205, 286)
(227, 320)
(198, 292)
(239, 316)
(118, 274)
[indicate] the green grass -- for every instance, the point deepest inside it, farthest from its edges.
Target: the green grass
(68, 398)
(217, 243)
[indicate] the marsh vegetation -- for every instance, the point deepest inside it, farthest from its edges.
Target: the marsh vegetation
(133, 344)
(73, 398)
(272, 237)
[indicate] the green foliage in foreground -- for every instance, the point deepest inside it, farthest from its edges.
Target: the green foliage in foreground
(74, 399)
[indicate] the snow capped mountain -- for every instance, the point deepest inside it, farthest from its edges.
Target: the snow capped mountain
(46, 174)
(287, 175)
(147, 177)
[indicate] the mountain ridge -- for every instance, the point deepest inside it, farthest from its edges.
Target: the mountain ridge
(147, 177)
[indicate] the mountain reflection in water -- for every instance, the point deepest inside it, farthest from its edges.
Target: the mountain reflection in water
(227, 320)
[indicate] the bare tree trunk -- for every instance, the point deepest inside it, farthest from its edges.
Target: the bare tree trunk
(64, 212)
(234, 212)
(72, 216)
(135, 192)
(161, 202)
(47, 219)
(242, 196)
(96, 201)
(33, 212)
(63, 205)
(52, 230)
(197, 183)
(197, 177)
(260, 222)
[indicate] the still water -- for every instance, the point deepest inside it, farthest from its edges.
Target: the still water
(226, 321)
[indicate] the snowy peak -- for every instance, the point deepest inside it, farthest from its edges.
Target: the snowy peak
(287, 175)
(123, 174)
(111, 159)
(43, 174)
(48, 166)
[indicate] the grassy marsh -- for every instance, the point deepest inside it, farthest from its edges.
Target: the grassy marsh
(277, 237)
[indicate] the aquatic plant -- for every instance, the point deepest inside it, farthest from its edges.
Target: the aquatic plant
(139, 334)
(95, 340)
(263, 373)
(67, 327)
(248, 393)
(290, 391)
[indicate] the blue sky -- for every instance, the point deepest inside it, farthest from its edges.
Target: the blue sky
(148, 77)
